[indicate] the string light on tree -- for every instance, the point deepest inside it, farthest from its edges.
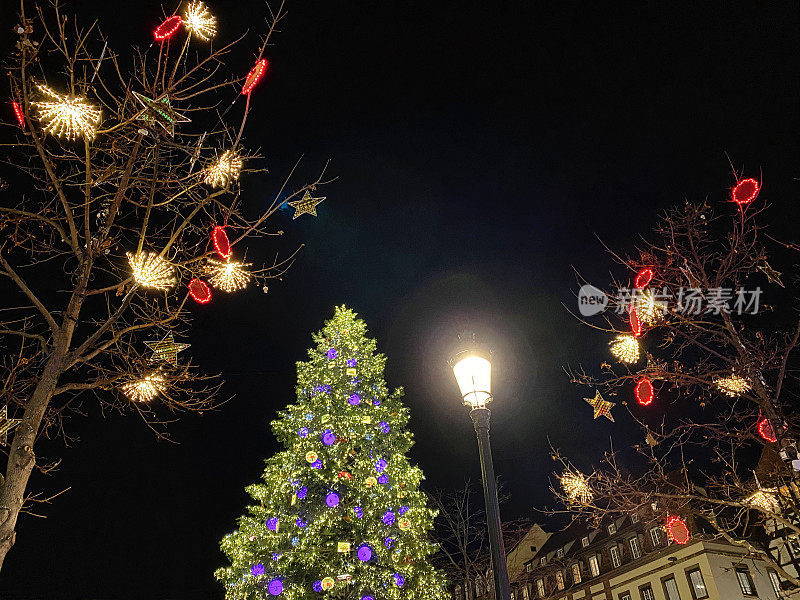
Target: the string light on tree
(625, 348)
(644, 391)
(765, 430)
(576, 487)
(146, 388)
(745, 191)
(643, 278)
(221, 243)
(602, 407)
(199, 291)
(225, 170)
(6, 424)
(765, 499)
(167, 28)
(733, 385)
(67, 116)
(254, 76)
(229, 275)
(307, 205)
(635, 322)
(677, 530)
(151, 271)
(200, 21)
(18, 113)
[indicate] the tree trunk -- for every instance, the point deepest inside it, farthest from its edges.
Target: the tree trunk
(21, 458)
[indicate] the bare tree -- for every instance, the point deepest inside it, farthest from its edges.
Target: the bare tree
(127, 164)
(707, 368)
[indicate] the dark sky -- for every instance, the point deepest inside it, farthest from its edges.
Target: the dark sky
(479, 147)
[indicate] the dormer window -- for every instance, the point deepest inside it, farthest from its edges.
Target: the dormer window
(560, 553)
(612, 529)
(585, 541)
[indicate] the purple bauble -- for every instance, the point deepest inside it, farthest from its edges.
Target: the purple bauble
(383, 479)
(301, 523)
(303, 432)
(388, 518)
(359, 511)
(257, 570)
(351, 362)
(384, 426)
(275, 587)
(380, 465)
(399, 579)
(331, 353)
(328, 437)
(364, 553)
(354, 400)
(272, 524)
(367, 598)
(332, 499)
(302, 492)
(317, 586)
(403, 510)
(388, 542)
(317, 464)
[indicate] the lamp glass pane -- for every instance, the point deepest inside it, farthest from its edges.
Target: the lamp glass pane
(474, 377)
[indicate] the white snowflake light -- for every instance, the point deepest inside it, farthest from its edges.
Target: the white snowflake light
(151, 271)
(145, 389)
(228, 276)
(625, 348)
(733, 385)
(67, 116)
(200, 21)
(576, 487)
(225, 170)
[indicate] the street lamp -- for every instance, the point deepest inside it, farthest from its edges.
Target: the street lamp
(473, 371)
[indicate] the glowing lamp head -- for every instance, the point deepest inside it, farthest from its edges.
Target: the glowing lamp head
(473, 373)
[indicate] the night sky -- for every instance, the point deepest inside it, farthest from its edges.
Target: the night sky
(481, 149)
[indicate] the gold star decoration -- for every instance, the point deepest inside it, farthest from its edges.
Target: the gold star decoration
(773, 276)
(6, 424)
(602, 408)
(160, 111)
(166, 349)
(306, 205)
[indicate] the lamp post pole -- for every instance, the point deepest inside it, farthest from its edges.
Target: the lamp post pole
(480, 419)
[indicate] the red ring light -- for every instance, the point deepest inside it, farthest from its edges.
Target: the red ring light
(644, 277)
(644, 391)
(766, 431)
(745, 191)
(221, 243)
(199, 290)
(677, 530)
(167, 28)
(254, 76)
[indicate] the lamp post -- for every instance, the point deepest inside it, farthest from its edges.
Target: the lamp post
(473, 371)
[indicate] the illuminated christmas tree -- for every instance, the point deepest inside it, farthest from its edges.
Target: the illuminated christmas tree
(338, 513)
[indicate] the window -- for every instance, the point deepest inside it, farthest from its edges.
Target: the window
(671, 589)
(625, 596)
(594, 565)
(696, 584)
(585, 541)
(560, 553)
(560, 580)
(525, 593)
(543, 561)
(745, 581)
(479, 587)
(576, 573)
(612, 529)
(616, 560)
(646, 593)
(636, 548)
(655, 536)
(540, 588)
(512, 596)
(634, 518)
(776, 583)
(528, 567)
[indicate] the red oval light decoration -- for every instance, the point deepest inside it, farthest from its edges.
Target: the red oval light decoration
(199, 290)
(167, 28)
(745, 191)
(644, 277)
(766, 431)
(636, 323)
(18, 113)
(254, 76)
(644, 391)
(221, 243)
(677, 530)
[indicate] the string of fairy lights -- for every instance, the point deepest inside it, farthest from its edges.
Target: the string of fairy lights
(646, 313)
(71, 117)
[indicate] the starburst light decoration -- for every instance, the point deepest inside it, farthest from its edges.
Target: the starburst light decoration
(765, 499)
(733, 385)
(649, 311)
(200, 21)
(225, 170)
(151, 271)
(67, 116)
(146, 388)
(625, 348)
(229, 275)
(576, 487)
